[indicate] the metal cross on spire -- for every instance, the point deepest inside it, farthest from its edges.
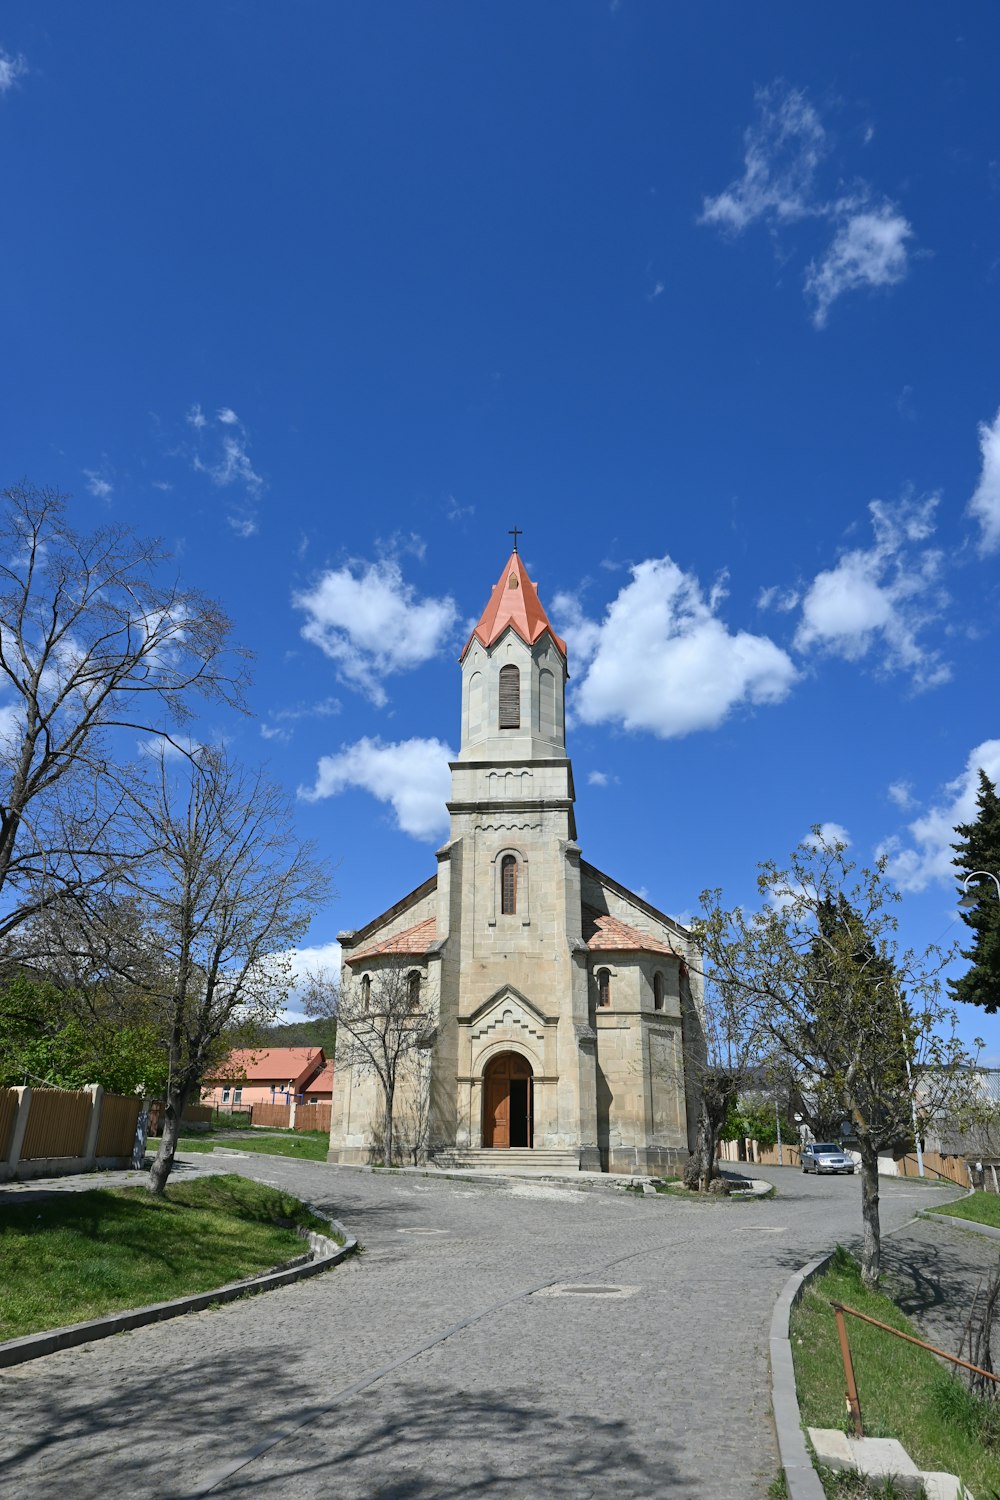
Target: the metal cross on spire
(515, 532)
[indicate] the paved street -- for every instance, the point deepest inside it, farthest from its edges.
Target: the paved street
(439, 1363)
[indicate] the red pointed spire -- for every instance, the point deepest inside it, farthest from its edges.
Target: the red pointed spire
(514, 602)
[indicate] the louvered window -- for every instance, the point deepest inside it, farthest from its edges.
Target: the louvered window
(508, 882)
(510, 698)
(413, 985)
(603, 987)
(366, 992)
(657, 991)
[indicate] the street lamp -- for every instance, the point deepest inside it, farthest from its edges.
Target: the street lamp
(968, 901)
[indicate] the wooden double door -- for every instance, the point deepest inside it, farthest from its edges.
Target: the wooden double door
(507, 1102)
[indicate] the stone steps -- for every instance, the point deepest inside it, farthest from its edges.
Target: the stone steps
(519, 1159)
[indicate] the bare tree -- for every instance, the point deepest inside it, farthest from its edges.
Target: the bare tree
(203, 924)
(385, 1020)
(818, 970)
(90, 640)
(726, 1048)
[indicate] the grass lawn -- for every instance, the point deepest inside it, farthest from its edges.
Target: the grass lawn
(309, 1145)
(982, 1208)
(905, 1392)
(80, 1255)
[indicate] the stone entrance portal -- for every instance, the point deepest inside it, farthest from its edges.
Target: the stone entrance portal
(508, 1099)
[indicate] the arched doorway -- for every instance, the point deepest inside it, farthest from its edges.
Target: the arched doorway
(507, 1102)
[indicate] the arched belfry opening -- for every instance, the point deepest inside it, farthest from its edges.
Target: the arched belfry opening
(508, 1102)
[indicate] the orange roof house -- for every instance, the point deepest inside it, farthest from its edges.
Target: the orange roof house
(264, 1076)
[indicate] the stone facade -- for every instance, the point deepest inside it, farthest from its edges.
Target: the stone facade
(563, 1002)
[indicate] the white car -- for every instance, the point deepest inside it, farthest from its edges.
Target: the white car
(825, 1156)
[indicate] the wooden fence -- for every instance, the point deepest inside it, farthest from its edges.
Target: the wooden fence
(194, 1114)
(277, 1116)
(116, 1132)
(9, 1100)
(952, 1168)
(310, 1116)
(52, 1132)
(57, 1124)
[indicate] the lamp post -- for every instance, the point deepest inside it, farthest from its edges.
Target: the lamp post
(968, 900)
(909, 1079)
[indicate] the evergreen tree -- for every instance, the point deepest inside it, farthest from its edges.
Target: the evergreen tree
(979, 850)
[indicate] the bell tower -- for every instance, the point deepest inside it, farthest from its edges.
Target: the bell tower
(513, 677)
(514, 985)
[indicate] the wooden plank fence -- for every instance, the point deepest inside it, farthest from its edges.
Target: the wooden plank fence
(53, 1132)
(9, 1101)
(116, 1132)
(277, 1116)
(57, 1124)
(310, 1116)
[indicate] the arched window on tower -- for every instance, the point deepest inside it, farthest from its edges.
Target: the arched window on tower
(366, 992)
(508, 883)
(510, 697)
(657, 991)
(604, 987)
(413, 990)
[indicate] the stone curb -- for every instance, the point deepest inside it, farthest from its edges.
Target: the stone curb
(574, 1182)
(987, 1229)
(800, 1476)
(324, 1253)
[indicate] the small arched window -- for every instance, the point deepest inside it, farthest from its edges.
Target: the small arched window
(510, 697)
(508, 881)
(657, 991)
(604, 987)
(413, 990)
(366, 992)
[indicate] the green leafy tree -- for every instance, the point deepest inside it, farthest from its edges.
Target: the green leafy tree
(51, 1037)
(979, 851)
(818, 966)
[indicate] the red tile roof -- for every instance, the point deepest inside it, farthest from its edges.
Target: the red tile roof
(610, 935)
(515, 602)
(415, 940)
(270, 1065)
(323, 1082)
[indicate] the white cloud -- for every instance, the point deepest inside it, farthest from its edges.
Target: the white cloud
(281, 720)
(985, 503)
(828, 835)
(601, 778)
(901, 793)
(196, 417)
(925, 855)
(783, 152)
(783, 600)
(662, 660)
(411, 776)
(244, 525)
(232, 466)
(319, 959)
(868, 250)
(98, 485)
(11, 69)
(882, 596)
(227, 417)
(368, 620)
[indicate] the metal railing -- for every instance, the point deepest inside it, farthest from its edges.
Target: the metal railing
(853, 1399)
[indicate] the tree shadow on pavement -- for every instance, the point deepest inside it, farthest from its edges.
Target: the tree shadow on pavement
(168, 1433)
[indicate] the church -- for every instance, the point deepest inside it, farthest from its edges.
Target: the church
(564, 1005)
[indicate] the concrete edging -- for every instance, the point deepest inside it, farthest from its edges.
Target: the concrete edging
(323, 1254)
(800, 1475)
(987, 1229)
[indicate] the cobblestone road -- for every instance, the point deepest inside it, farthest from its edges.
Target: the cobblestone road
(439, 1364)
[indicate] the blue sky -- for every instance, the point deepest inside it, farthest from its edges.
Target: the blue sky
(702, 297)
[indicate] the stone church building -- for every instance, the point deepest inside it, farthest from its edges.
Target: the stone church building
(562, 1002)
